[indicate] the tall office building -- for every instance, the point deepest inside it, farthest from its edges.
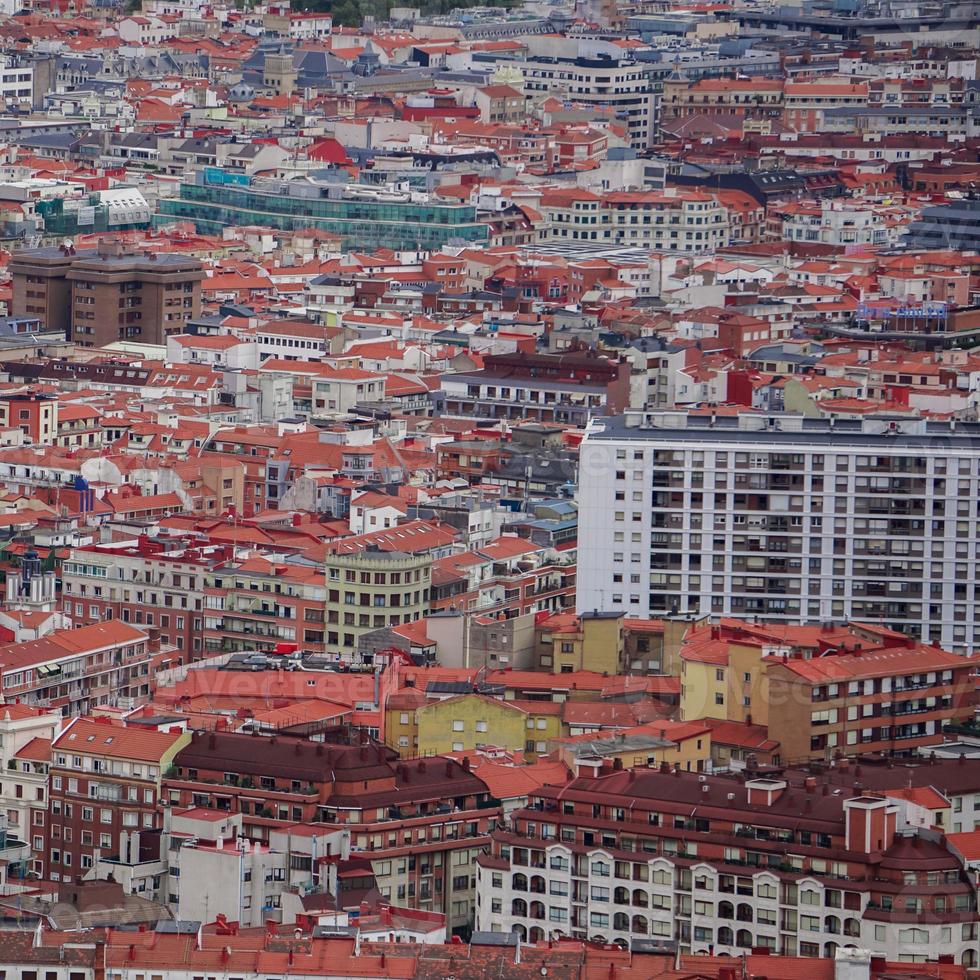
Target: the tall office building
(784, 517)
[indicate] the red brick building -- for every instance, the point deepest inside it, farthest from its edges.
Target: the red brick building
(104, 792)
(421, 822)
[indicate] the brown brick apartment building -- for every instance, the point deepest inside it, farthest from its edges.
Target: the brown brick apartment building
(101, 295)
(104, 786)
(421, 822)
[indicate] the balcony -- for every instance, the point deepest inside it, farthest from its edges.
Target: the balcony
(243, 628)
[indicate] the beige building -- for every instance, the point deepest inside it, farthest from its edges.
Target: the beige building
(370, 590)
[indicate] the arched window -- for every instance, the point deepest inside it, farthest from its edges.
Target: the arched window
(621, 921)
(640, 925)
(743, 939)
(726, 910)
(640, 899)
(831, 924)
(537, 910)
(518, 907)
(725, 937)
(744, 912)
(519, 882)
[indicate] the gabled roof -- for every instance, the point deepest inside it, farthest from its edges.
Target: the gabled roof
(103, 738)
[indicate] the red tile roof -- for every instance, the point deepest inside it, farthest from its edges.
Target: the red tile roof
(88, 736)
(877, 663)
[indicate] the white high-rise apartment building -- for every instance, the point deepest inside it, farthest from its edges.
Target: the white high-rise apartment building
(785, 518)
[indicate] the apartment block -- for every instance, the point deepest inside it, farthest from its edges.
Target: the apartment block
(75, 670)
(542, 387)
(621, 86)
(146, 582)
(784, 517)
(213, 870)
(25, 752)
(256, 604)
(105, 785)
(822, 692)
(723, 865)
(372, 589)
(672, 219)
(35, 413)
(100, 295)
(891, 699)
(421, 823)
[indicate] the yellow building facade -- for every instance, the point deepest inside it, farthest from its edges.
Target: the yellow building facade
(472, 721)
(729, 683)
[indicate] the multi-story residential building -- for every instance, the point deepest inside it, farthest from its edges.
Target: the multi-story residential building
(893, 699)
(17, 82)
(825, 691)
(791, 518)
(672, 220)
(753, 98)
(720, 865)
(35, 413)
(623, 87)
(472, 721)
(79, 427)
(339, 391)
(75, 670)
(364, 217)
(542, 387)
(25, 751)
(842, 223)
(300, 341)
(371, 589)
(421, 823)
(212, 869)
(509, 577)
(955, 778)
(105, 786)
(99, 295)
(256, 603)
(147, 582)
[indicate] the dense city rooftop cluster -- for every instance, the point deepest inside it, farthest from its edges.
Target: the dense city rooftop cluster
(489, 491)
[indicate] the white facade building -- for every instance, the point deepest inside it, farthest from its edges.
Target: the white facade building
(212, 869)
(615, 900)
(802, 520)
